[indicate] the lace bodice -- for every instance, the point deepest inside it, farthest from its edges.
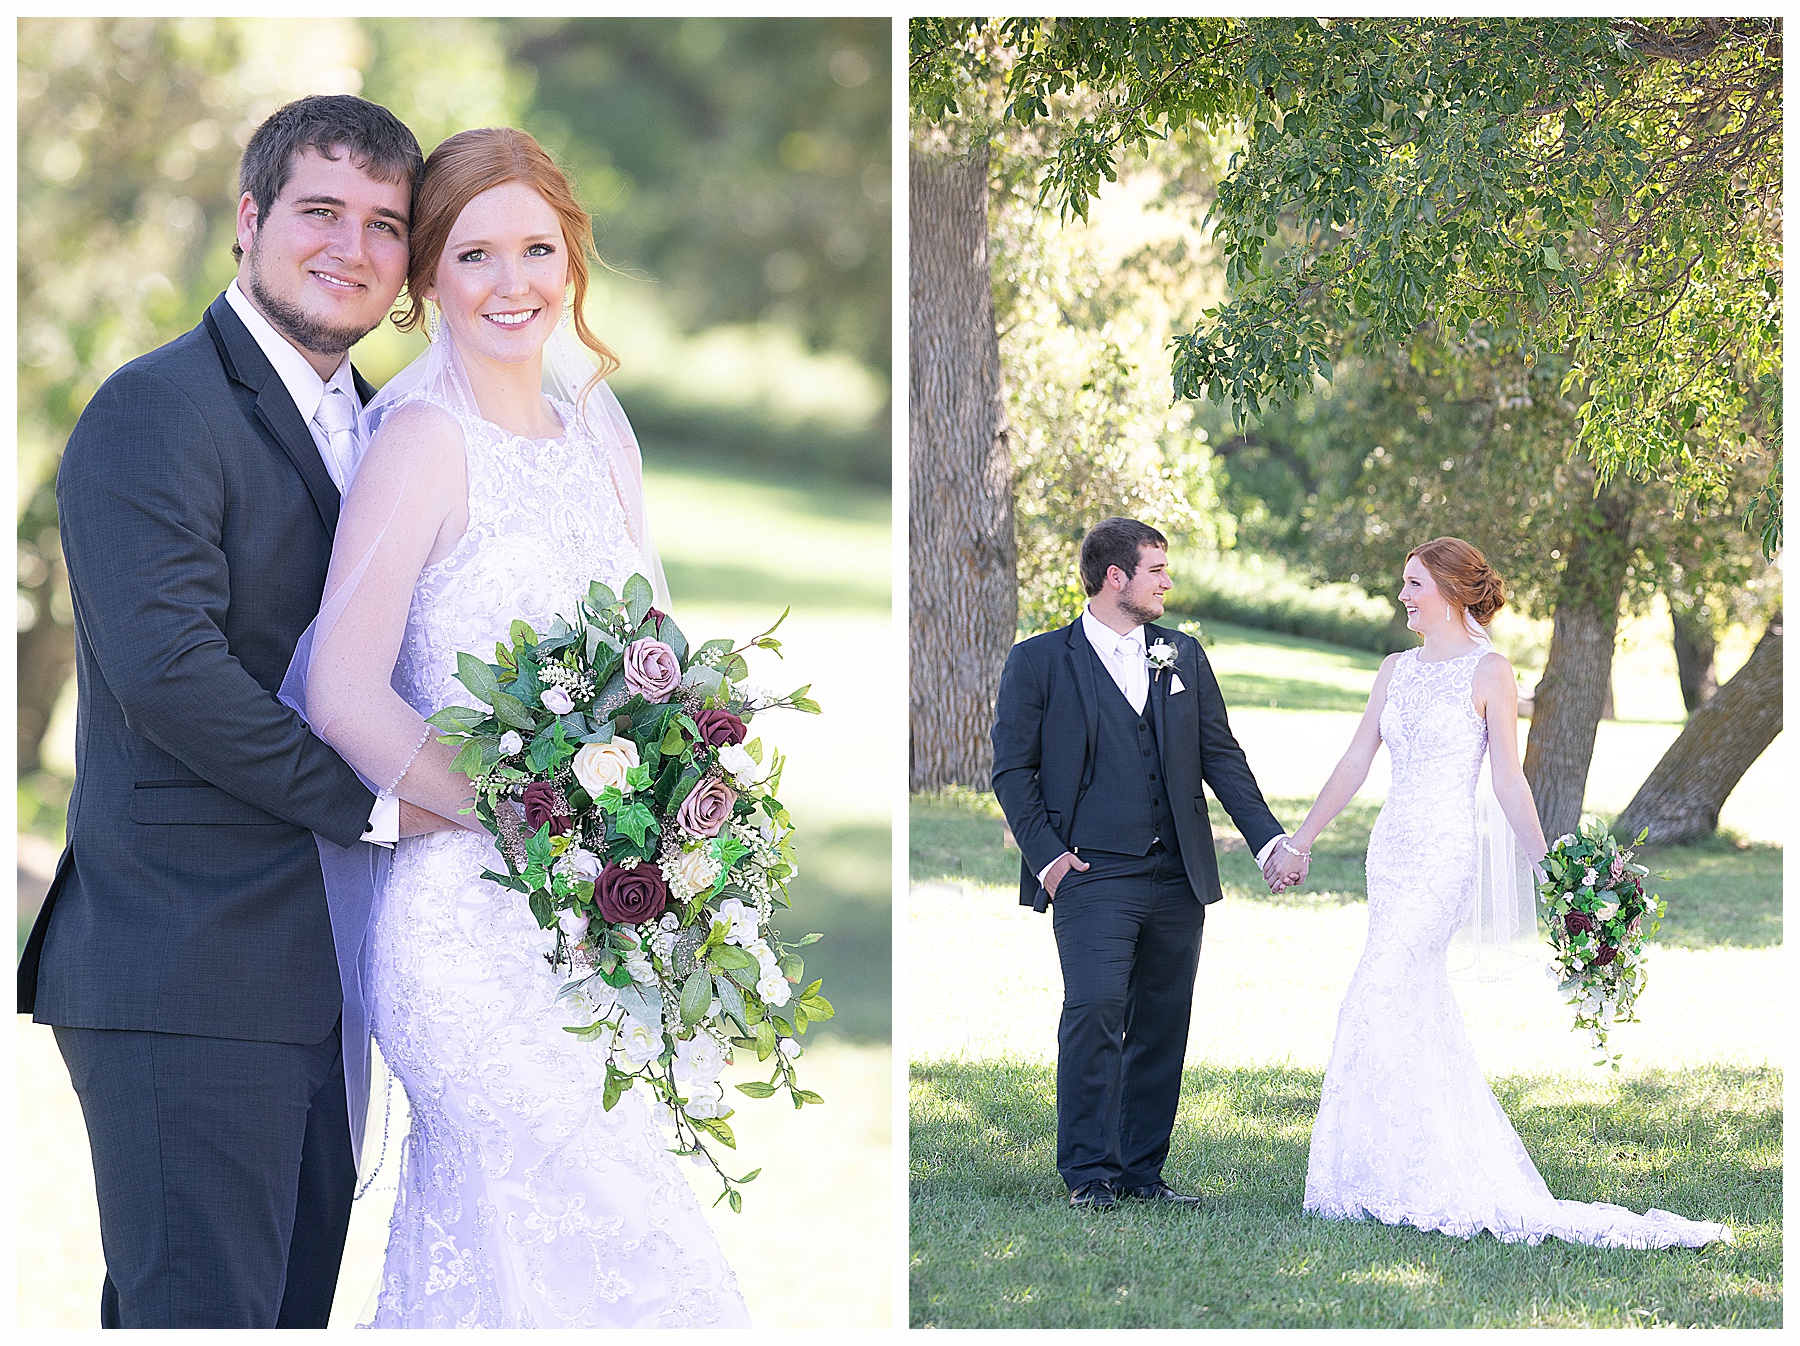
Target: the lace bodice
(544, 521)
(523, 1201)
(1408, 1131)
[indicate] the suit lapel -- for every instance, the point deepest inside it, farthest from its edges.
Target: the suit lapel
(246, 364)
(1083, 668)
(1159, 692)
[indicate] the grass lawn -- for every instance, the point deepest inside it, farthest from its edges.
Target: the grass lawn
(1692, 1124)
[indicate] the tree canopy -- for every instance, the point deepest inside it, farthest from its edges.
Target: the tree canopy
(1600, 190)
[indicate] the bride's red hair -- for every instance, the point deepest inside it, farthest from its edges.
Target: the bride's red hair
(461, 169)
(1463, 576)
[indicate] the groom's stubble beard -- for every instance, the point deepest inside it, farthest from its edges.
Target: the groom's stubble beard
(1140, 613)
(303, 331)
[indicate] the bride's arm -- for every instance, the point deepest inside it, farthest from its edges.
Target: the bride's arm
(1352, 768)
(405, 509)
(1497, 698)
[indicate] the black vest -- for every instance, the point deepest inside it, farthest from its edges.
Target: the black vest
(1125, 807)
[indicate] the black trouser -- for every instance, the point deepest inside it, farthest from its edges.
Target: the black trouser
(1128, 935)
(223, 1172)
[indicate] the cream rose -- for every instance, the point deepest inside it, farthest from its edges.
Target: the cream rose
(599, 765)
(693, 872)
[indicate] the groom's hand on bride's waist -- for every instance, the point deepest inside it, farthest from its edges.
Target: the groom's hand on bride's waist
(1053, 873)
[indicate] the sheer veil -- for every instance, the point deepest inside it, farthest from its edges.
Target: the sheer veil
(387, 743)
(1500, 937)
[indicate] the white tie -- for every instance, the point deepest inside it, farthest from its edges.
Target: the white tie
(1131, 662)
(336, 416)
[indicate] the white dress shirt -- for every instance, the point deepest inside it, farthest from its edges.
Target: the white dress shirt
(307, 389)
(1125, 658)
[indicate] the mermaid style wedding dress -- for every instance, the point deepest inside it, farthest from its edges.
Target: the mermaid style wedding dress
(1408, 1131)
(522, 1202)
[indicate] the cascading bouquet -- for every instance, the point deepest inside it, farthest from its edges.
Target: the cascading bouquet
(613, 770)
(1599, 919)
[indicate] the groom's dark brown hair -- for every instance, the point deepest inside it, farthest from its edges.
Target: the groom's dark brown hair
(332, 124)
(1114, 542)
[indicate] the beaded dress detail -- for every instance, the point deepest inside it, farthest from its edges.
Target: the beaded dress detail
(1408, 1131)
(522, 1202)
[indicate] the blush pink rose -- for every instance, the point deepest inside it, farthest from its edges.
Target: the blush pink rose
(651, 669)
(707, 808)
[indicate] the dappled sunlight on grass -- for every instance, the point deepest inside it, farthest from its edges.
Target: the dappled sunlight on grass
(996, 1245)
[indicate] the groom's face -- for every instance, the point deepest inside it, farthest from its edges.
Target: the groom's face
(325, 260)
(1141, 598)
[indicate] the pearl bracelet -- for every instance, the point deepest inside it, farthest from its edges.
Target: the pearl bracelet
(1299, 854)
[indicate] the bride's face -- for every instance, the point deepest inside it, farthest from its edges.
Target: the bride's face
(1425, 606)
(501, 276)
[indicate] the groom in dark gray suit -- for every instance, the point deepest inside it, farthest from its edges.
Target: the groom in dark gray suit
(1104, 731)
(184, 952)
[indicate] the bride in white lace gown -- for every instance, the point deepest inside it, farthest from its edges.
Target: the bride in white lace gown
(1408, 1131)
(522, 1202)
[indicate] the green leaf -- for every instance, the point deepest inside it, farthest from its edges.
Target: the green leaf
(522, 634)
(806, 1096)
(539, 902)
(729, 956)
(468, 761)
(817, 1007)
(589, 1033)
(509, 710)
(477, 677)
(634, 821)
(736, 1198)
(754, 1088)
(813, 938)
(458, 719)
(764, 1034)
(696, 996)
(639, 599)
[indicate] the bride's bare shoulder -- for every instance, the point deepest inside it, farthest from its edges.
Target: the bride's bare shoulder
(418, 427)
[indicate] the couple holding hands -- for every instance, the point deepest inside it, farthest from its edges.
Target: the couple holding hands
(1104, 732)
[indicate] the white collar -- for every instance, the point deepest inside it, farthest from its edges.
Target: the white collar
(1103, 638)
(297, 375)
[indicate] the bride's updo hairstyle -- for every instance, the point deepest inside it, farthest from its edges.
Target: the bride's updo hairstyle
(461, 169)
(1462, 576)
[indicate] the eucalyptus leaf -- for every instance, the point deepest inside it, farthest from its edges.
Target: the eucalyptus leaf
(696, 996)
(477, 677)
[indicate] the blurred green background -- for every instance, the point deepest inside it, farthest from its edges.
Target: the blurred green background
(738, 172)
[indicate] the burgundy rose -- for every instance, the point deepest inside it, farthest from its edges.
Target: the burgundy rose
(1579, 923)
(719, 726)
(631, 896)
(1606, 955)
(651, 669)
(544, 803)
(707, 808)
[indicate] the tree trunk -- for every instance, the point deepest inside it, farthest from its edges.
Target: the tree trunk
(1680, 800)
(1567, 704)
(963, 555)
(1694, 650)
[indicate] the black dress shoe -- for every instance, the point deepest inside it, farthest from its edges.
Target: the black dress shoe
(1159, 1191)
(1097, 1194)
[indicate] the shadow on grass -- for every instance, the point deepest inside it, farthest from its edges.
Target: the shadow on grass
(994, 1243)
(1297, 693)
(1721, 892)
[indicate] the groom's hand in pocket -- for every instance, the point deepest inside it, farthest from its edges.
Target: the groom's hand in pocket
(1063, 864)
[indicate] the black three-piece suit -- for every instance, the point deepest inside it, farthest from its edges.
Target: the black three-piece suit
(184, 951)
(1076, 767)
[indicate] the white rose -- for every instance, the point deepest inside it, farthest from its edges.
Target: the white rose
(693, 872)
(699, 1060)
(743, 767)
(706, 1100)
(599, 765)
(557, 700)
(759, 950)
(573, 924)
(790, 1047)
(638, 1043)
(601, 995)
(1607, 912)
(638, 965)
(582, 864)
(1588, 878)
(774, 989)
(756, 696)
(510, 742)
(670, 921)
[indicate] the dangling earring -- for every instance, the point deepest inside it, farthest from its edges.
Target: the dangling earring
(434, 325)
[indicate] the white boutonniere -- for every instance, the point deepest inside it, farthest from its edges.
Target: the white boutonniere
(1161, 656)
